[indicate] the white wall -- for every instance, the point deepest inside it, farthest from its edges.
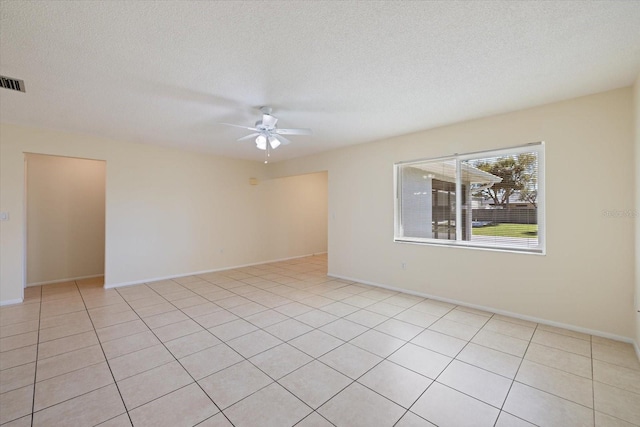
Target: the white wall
(168, 212)
(586, 279)
(65, 217)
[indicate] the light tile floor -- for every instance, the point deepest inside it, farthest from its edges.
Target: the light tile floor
(283, 344)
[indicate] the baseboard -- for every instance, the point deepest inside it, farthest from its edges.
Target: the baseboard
(11, 302)
(195, 273)
(497, 311)
(70, 279)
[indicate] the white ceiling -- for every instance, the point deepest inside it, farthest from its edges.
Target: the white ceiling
(168, 72)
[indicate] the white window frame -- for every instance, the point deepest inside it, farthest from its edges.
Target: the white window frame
(540, 249)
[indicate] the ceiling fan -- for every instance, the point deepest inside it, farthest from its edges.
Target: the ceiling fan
(266, 133)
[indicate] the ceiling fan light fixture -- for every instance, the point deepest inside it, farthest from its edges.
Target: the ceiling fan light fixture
(266, 133)
(274, 142)
(261, 142)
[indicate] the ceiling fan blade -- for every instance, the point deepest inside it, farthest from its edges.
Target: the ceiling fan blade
(282, 139)
(238, 126)
(269, 121)
(248, 137)
(293, 131)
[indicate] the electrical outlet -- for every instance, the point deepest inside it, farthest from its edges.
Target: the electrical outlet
(4, 216)
(221, 250)
(404, 265)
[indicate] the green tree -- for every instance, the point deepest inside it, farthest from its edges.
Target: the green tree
(519, 176)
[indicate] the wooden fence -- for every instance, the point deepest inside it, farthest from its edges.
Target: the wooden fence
(507, 216)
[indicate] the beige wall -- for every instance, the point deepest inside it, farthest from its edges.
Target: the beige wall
(295, 216)
(586, 278)
(636, 102)
(65, 217)
(168, 212)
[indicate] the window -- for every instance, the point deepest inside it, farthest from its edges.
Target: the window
(493, 200)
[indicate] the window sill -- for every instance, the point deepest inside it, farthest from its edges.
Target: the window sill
(468, 245)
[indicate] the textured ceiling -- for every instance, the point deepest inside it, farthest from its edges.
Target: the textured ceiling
(168, 72)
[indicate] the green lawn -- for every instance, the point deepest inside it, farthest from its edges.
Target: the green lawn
(507, 230)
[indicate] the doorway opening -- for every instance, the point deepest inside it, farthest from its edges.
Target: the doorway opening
(65, 219)
(296, 218)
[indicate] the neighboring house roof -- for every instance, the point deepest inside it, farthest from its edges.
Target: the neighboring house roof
(446, 171)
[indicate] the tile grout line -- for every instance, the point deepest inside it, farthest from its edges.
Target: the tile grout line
(63, 337)
(276, 381)
(35, 375)
(175, 358)
(67, 336)
(318, 291)
(444, 369)
(19, 333)
(257, 367)
(375, 365)
(105, 356)
(367, 330)
(513, 381)
(247, 359)
(35, 371)
(565, 372)
(394, 402)
(556, 395)
(313, 412)
(360, 308)
(24, 346)
(481, 368)
(398, 349)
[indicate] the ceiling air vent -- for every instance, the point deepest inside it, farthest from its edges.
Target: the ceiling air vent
(11, 83)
